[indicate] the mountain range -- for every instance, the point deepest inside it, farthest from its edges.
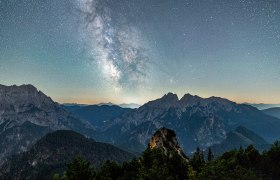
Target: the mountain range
(52, 153)
(198, 121)
(262, 106)
(123, 105)
(27, 114)
(97, 115)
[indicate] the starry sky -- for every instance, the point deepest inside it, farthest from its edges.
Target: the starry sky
(124, 51)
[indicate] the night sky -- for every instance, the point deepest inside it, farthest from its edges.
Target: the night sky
(90, 51)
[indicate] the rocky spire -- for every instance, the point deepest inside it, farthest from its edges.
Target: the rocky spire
(166, 139)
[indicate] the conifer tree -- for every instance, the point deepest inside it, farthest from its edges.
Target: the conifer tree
(210, 155)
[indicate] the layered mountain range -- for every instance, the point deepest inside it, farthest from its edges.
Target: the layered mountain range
(98, 116)
(27, 114)
(275, 112)
(263, 106)
(52, 153)
(197, 121)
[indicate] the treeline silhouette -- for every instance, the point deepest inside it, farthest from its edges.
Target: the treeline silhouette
(241, 163)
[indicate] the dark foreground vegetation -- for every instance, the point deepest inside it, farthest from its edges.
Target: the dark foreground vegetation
(158, 164)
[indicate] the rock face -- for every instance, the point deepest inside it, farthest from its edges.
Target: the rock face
(166, 139)
(52, 153)
(25, 103)
(197, 121)
(27, 114)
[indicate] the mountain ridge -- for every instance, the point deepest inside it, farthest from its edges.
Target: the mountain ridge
(197, 121)
(240, 137)
(52, 153)
(21, 104)
(98, 115)
(274, 111)
(122, 105)
(262, 106)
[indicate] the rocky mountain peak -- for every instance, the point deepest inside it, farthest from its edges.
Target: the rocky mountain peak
(170, 96)
(22, 98)
(220, 100)
(168, 100)
(27, 114)
(190, 100)
(26, 88)
(166, 139)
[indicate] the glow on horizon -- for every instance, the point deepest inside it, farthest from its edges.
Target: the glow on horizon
(92, 51)
(143, 100)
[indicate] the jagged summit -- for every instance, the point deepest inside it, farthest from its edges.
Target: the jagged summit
(27, 86)
(188, 100)
(166, 101)
(26, 114)
(25, 103)
(166, 139)
(170, 95)
(14, 90)
(198, 121)
(22, 98)
(23, 90)
(170, 98)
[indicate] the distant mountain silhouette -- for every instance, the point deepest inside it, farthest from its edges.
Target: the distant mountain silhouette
(74, 106)
(273, 112)
(52, 153)
(240, 137)
(98, 116)
(108, 104)
(129, 105)
(123, 105)
(262, 106)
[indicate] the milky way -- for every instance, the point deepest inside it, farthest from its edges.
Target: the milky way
(114, 45)
(91, 51)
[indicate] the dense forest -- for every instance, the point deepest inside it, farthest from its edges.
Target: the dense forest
(239, 163)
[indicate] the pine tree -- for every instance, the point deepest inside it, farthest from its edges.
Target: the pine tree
(197, 161)
(79, 169)
(210, 155)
